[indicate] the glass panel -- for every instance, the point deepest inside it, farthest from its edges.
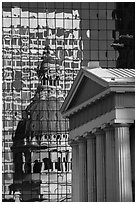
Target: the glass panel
(102, 5)
(94, 24)
(102, 24)
(102, 45)
(102, 14)
(94, 45)
(93, 14)
(94, 34)
(102, 55)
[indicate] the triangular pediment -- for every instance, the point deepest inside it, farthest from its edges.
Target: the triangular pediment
(85, 91)
(85, 87)
(93, 83)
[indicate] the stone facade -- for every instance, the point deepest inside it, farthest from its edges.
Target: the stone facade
(101, 137)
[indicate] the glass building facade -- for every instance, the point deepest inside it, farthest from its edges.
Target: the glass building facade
(76, 32)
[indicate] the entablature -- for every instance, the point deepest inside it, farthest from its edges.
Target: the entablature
(116, 116)
(110, 102)
(113, 88)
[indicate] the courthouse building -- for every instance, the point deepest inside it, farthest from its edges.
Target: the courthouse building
(101, 111)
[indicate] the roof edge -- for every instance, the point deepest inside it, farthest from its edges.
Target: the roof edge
(110, 89)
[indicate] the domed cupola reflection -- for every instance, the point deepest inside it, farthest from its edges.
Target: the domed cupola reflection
(40, 145)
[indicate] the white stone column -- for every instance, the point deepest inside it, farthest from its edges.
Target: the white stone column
(82, 170)
(75, 170)
(110, 164)
(123, 163)
(91, 167)
(100, 165)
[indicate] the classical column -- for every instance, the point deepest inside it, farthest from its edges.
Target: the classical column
(82, 170)
(91, 167)
(110, 164)
(75, 170)
(100, 165)
(123, 163)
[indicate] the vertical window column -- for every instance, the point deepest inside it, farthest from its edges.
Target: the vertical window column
(91, 167)
(75, 170)
(82, 170)
(110, 164)
(123, 163)
(100, 165)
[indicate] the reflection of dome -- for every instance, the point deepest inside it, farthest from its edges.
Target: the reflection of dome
(45, 116)
(40, 147)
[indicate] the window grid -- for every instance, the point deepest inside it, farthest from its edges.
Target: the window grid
(76, 33)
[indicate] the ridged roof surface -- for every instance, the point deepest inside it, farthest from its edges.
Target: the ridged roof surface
(113, 74)
(122, 72)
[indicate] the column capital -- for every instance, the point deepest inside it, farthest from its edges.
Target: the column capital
(89, 135)
(98, 131)
(85, 134)
(117, 125)
(107, 127)
(72, 142)
(80, 139)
